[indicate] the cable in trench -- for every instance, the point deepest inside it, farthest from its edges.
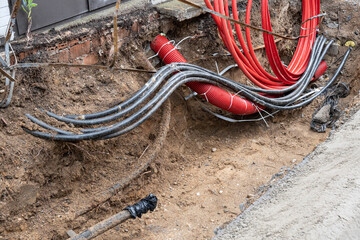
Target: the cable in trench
(148, 158)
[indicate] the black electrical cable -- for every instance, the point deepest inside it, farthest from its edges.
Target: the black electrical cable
(152, 81)
(155, 80)
(145, 95)
(47, 126)
(112, 131)
(184, 73)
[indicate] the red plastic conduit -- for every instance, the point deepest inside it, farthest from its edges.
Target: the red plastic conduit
(247, 60)
(213, 94)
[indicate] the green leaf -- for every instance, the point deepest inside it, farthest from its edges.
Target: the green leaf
(34, 5)
(24, 8)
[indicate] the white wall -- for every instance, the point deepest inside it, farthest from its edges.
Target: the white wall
(4, 17)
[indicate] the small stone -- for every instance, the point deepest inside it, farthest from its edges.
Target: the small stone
(197, 194)
(294, 160)
(213, 149)
(333, 50)
(221, 191)
(333, 16)
(243, 225)
(333, 25)
(278, 175)
(250, 196)
(323, 115)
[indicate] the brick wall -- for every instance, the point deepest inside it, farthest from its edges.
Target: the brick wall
(84, 50)
(89, 44)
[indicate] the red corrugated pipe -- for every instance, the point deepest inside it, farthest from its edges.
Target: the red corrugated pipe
(246, 59)
(213, 94)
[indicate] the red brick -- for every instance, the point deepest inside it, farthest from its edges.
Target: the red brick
(76, 69)
(28, 53)
(63, 56)
(95, 43)
(73, 42)
(62, 45)
(80, 49)
(91, 59)
(12, 60)
(21, 56)
(135, 26)
(51, 49)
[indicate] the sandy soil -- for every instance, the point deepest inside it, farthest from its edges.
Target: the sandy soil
(206, 168)
(320, 199)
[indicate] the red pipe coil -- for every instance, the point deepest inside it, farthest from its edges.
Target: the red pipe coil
(211, 93)
(247, 60)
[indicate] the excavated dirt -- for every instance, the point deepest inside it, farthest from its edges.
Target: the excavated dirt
(206, 168)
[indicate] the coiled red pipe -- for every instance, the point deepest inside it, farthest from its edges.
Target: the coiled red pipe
(247, 61)
(211, 93)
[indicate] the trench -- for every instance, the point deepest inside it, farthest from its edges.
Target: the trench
(206, 172)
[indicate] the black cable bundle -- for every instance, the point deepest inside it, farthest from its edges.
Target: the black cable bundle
(135, 110)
